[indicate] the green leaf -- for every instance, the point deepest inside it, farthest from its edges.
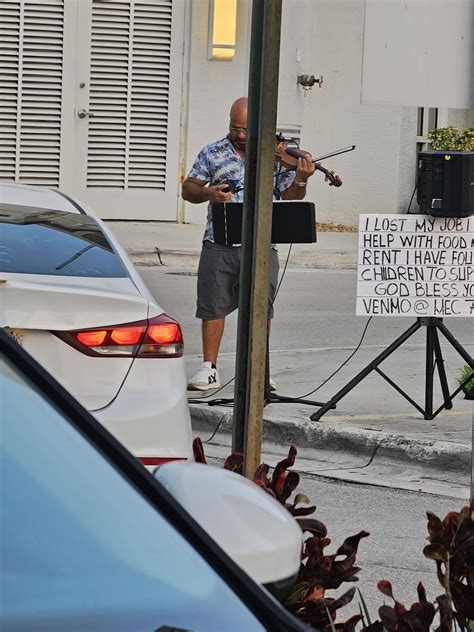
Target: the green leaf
(436, 552)
(301, 498)
(451, 139)
(331, 622)
(364, 607)
(297, 594)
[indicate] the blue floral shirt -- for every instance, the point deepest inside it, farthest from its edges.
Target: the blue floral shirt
(219, 162)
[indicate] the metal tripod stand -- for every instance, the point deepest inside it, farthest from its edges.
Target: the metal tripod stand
(434, 359)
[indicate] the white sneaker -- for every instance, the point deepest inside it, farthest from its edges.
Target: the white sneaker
(272, 384)
(204, 379)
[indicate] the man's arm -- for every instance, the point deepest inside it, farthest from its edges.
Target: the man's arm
(196, 192)
(304, 170)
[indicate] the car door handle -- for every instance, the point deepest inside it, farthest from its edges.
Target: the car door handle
(83, 113)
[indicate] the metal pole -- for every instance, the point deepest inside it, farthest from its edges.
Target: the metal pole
(256, 233)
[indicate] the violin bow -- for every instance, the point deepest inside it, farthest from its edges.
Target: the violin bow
(335, 153)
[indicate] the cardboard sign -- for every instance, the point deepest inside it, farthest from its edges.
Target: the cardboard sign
(415, 265)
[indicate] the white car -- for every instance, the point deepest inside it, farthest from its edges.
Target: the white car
(92, 542)
(72, 298)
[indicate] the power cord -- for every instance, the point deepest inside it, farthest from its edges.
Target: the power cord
(198, 399)
(342, 365)
(205, 398)
(272, 301)
(221, 420)
(314, 473)
(413, 194)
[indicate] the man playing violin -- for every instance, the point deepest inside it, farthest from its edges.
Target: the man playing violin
(217, 175)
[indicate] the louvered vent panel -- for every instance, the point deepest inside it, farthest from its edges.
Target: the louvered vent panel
(292, 132)
(9, 61)
(130, 71)
(108, 94)
(150, 95)
(32, 55)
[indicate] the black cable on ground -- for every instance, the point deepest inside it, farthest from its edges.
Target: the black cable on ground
(353, 467)
(221, 420)
(342, 365)
(204, 397)
(282, 275)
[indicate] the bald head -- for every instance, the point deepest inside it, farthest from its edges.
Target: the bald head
(238, 123)
(239, 109)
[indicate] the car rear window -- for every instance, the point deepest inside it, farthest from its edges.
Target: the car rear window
(57, 243)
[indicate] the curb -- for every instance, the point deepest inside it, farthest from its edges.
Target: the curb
(325, 260)
(443, 455)
(171, 258)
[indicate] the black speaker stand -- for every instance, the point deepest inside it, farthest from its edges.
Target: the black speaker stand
(269, 396)
(434, 359)
(293, 221)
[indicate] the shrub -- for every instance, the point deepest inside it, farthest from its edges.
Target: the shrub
(451, 139)
(451, 546)
(466, 378)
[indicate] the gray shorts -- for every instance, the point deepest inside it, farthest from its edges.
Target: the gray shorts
(218, 281)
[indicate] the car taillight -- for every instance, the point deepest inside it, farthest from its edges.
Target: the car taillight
(158, 337)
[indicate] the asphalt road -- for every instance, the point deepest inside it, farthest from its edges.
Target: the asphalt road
(314, 309)
(396, 521)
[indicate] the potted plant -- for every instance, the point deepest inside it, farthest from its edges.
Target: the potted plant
(451, 139)
(468, 386)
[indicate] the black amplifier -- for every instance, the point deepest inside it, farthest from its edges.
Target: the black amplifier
(446, 183)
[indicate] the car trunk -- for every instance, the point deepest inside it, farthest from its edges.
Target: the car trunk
(32, 306)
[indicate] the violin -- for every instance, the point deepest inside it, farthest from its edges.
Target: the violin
(288, 157)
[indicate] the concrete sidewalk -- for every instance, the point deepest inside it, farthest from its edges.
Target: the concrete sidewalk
(374, 435)
(166, 243)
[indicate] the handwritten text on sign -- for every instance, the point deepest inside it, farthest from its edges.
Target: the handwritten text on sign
(415, 265)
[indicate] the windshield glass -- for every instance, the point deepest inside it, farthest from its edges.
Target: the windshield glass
(80, 549)
(35, 241)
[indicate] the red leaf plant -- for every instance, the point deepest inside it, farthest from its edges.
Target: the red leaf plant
(417, 618)
(451, 546)
(318, 571)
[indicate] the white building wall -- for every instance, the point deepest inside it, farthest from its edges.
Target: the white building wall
(370, 174)
(459, 118)
(320, 37)
(407, 161)
(212, 87)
